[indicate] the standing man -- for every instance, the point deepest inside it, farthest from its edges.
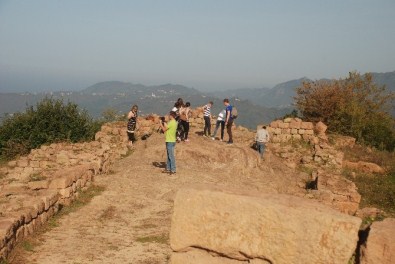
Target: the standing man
(228, 120)
(261, 138)
(170, 130)
(207, 118)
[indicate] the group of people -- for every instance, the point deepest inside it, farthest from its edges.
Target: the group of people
(177, 128)
(225, 119)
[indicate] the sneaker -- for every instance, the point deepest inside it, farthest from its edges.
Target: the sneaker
(213, 138)
(186, 140)
(229, 143)
(166, 171)
(173, 173)
(221, 140)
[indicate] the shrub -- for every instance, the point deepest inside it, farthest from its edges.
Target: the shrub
(50, 121)
(355, 106)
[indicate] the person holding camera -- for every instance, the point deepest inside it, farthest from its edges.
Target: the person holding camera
(170, 130)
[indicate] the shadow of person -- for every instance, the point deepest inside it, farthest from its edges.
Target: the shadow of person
(161, 165)
(199, 133)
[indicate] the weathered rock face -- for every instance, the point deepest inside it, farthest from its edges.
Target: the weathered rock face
(380, 245)
(276, 228)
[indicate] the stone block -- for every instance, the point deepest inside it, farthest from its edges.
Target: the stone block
(295, 124)
(277, 131)
(287, 120)
(203, 257)
(34, 164)
(294, 131)
(283, 125)
(286, 131)
(20, 234)
(301, 131)
(307, 125)
(297, 137)
(66, 192)
(249, 225)
(61, 183)
(12, 163)
(320, 128)
(38, 185)
(309, 132)
(22, 162)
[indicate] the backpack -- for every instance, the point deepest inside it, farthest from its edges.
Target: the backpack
(234, 112)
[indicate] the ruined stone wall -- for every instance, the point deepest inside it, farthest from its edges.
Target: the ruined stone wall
(323, 161)
(291, 128)
(32, 188)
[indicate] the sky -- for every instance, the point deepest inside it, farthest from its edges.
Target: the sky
(208, 45)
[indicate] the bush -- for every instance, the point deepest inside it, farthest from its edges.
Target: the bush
(50, 121)
(354, 106)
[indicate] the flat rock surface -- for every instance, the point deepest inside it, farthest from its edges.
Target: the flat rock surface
(130, 221)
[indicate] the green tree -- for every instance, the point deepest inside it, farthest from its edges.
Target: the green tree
(354, 106)
(50, 121)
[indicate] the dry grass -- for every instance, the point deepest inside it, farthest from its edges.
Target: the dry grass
(376, 190)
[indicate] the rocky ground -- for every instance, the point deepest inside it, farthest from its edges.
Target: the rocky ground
(130, 221)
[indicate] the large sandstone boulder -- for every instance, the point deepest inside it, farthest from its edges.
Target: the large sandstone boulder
(368, 167)
(380, 245)
(277, 228)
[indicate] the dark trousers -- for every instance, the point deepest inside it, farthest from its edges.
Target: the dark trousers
(229, 130)
(222, 124)
(207, 126)
(185, 130)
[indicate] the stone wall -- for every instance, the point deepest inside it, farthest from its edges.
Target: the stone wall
(34, 187)
(308, 148)
(291, 128)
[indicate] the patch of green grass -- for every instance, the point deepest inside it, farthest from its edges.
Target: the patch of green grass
(37, 177)
(26, 245)
(377, 191)
(84, 198)
(53, 222)
(306, 169)
(160, 239)
(4, 261)
(352, 260)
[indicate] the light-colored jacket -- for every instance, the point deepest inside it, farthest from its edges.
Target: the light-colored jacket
(262, 136)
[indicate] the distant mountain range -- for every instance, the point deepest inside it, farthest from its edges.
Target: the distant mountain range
(255, 105)
(150, 99)
(282, 94)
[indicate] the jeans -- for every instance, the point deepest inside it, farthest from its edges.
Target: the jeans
(171, 160)
(207, 126)
(261, 148)
(229, 130)
(222, 123)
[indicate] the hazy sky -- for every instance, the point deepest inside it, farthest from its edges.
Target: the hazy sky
(72, 44)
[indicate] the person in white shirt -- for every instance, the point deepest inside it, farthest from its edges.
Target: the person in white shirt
(220, 122)
(261, 138)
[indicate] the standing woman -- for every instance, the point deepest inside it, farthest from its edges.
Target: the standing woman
(185, 112)
(132, 124)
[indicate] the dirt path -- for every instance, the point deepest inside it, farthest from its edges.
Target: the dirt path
(130, 221)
